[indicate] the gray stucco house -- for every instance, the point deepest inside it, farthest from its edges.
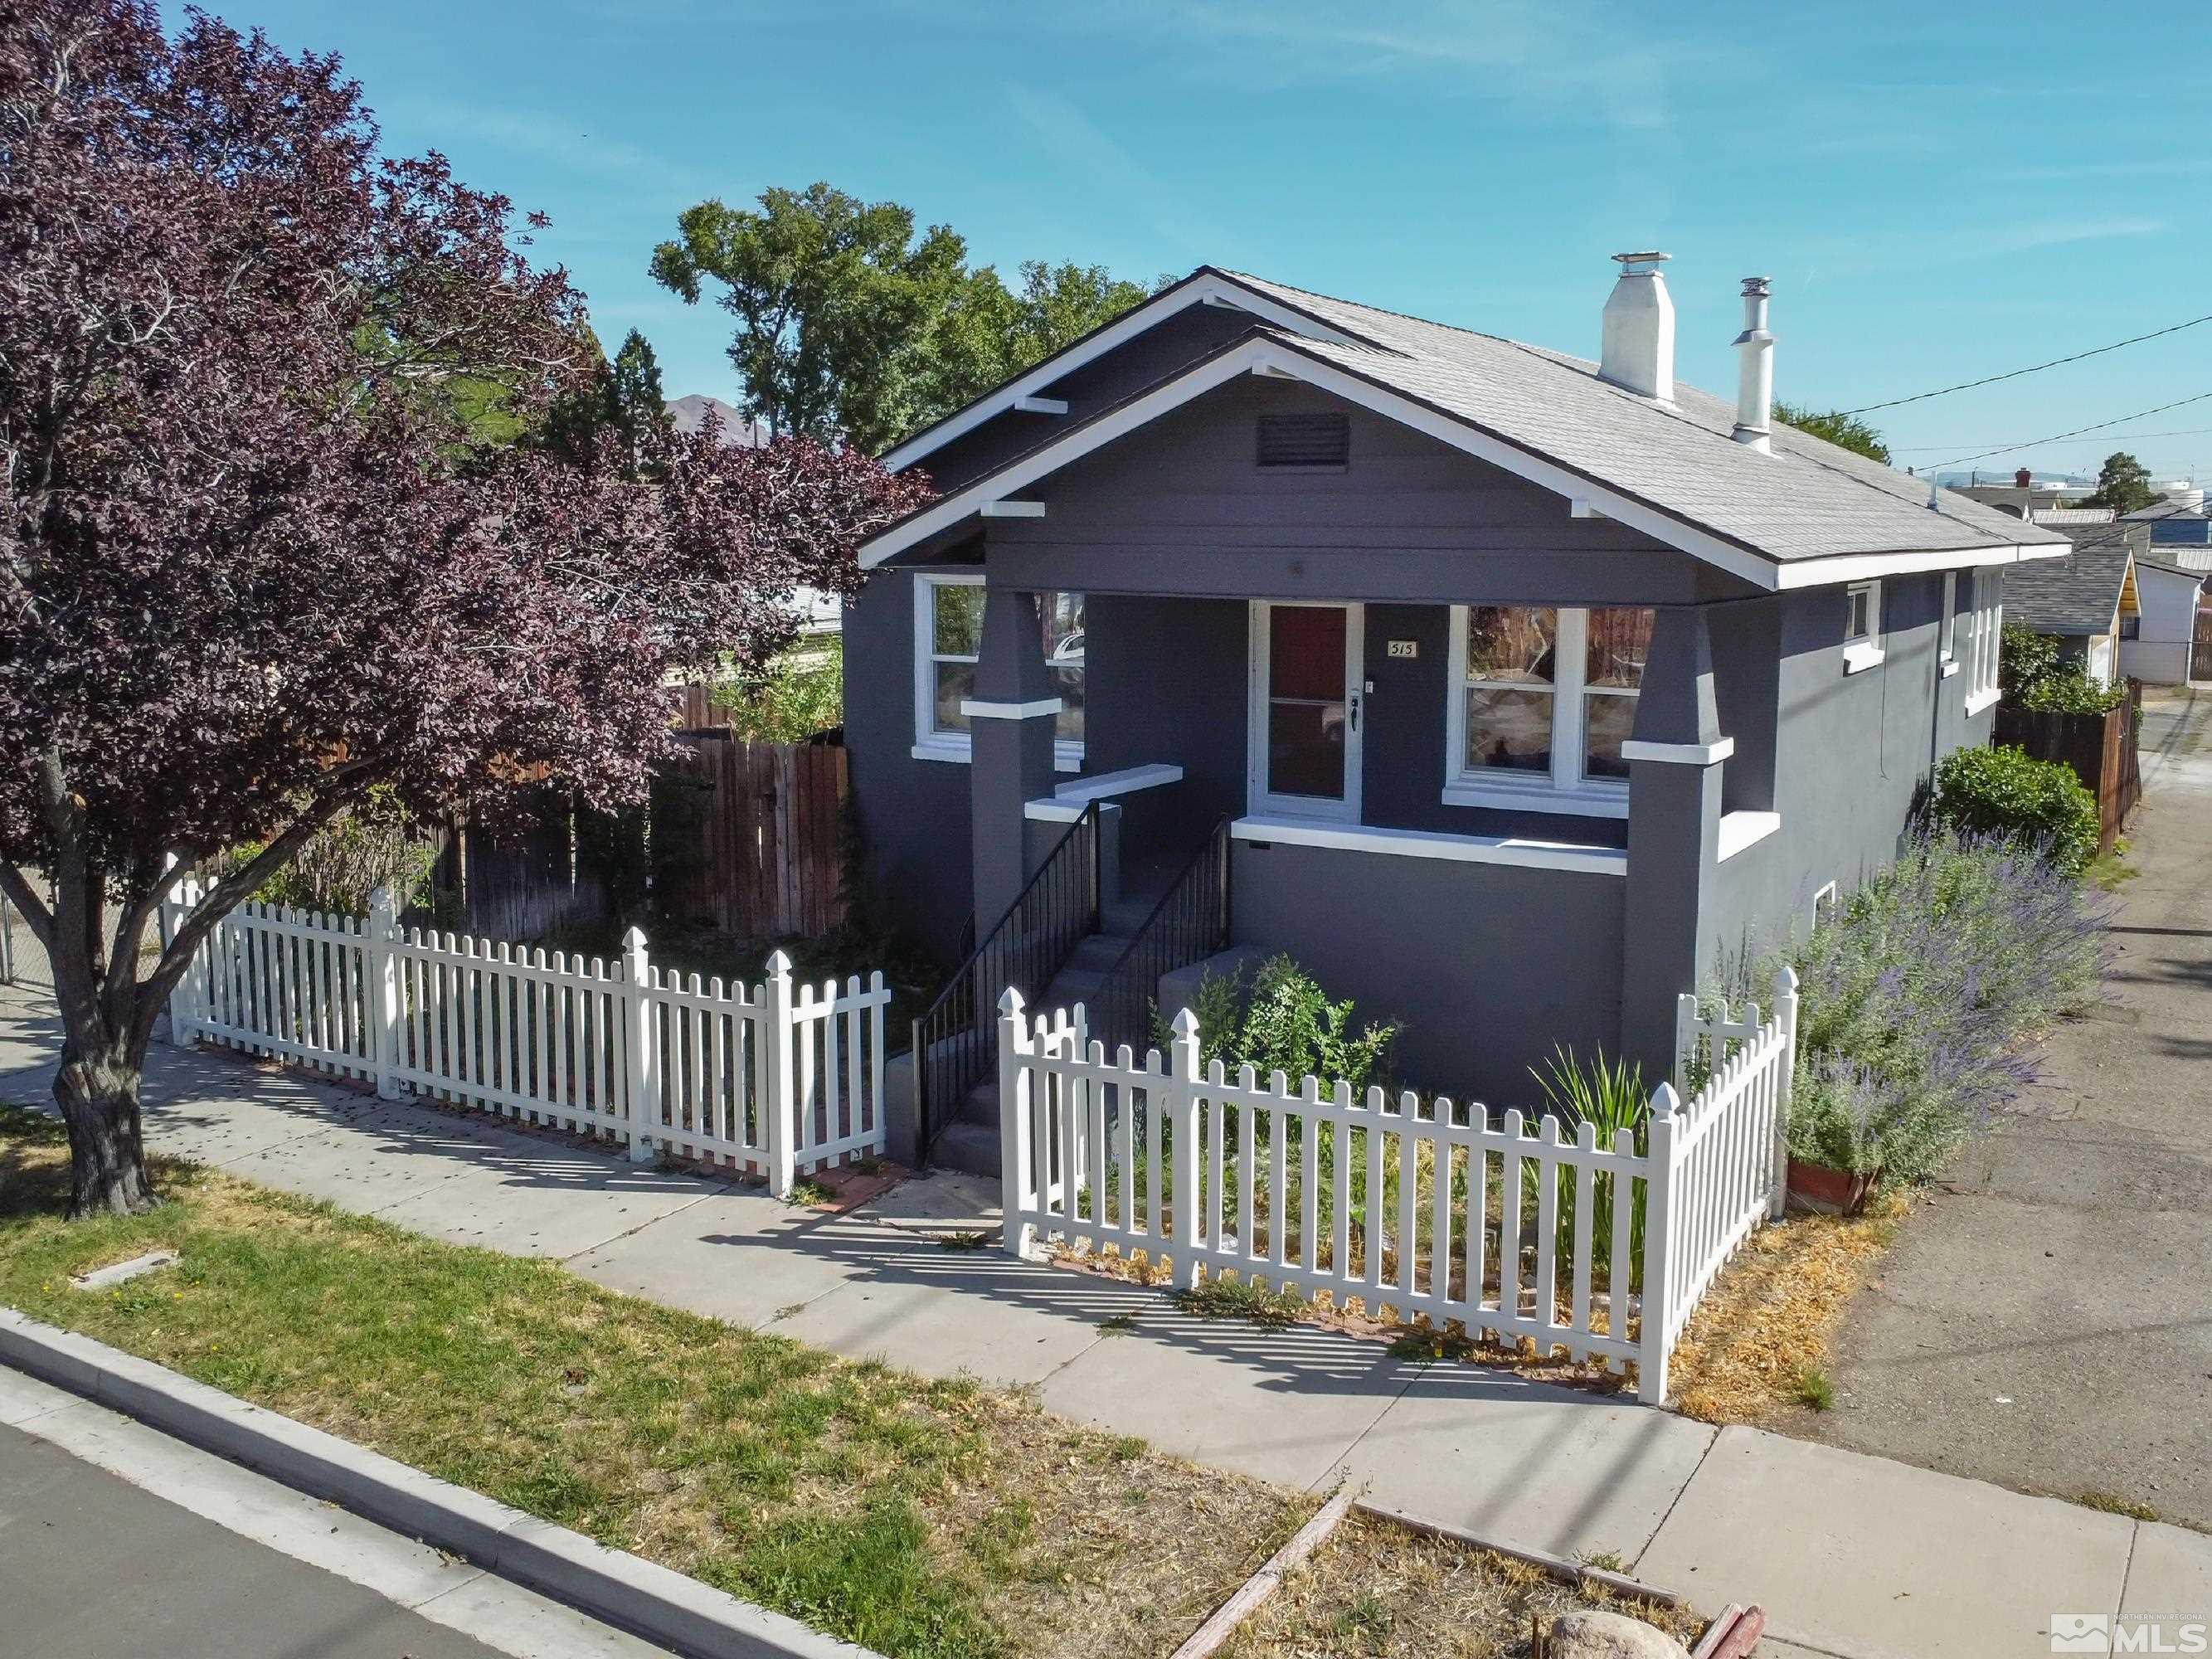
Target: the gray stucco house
(1519, 687)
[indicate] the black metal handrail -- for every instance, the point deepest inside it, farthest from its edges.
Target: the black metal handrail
(1189, 924)
(956, 1042)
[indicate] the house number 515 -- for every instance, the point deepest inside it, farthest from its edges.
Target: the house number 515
(1404, 648)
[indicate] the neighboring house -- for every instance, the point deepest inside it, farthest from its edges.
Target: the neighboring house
(1528, 688)
(819, 612)
(2085, 602)
(2155, 644)
(2179, 529)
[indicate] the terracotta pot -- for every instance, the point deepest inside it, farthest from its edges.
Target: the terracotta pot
(1832, 1191)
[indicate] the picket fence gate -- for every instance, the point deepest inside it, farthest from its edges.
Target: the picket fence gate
(775, 1079)
(1309, 1190)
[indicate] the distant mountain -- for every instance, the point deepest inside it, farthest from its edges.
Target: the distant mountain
(689, 414)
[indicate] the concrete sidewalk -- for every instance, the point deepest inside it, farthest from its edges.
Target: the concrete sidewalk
(1852, 1555)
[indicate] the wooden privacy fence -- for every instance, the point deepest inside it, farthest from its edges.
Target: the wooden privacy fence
(765, 857)
(775, 1079)
(1501, 1224)
(2101, 748)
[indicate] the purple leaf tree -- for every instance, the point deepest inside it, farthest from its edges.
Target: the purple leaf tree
(259, 561)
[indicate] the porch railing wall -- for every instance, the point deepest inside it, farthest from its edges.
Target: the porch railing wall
(774, 1077)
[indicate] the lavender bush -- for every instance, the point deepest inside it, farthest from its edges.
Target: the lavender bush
(1916, 996)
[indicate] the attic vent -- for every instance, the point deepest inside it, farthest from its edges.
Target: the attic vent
(1304, 440)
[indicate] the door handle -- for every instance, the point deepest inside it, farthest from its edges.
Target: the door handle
(1355, 711)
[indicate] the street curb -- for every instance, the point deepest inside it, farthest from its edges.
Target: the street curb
(620, 1589)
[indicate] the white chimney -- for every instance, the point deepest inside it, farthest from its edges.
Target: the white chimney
(1638, 353)
(1754, 384)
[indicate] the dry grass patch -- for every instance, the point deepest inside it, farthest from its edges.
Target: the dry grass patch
(1379, 1590)
(1762, 1331)
(937, 1519)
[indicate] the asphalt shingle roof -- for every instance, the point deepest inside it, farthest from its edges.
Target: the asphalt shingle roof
(1809, 499)
(2077, 594)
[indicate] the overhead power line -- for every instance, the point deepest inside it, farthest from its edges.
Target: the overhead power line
(2182, 432)
(2014, 374)
(2056, 437)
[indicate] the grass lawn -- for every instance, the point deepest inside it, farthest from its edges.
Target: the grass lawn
(916, 1517)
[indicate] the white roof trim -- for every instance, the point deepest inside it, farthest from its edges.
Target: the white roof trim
(1209, 290)
(1283, 357)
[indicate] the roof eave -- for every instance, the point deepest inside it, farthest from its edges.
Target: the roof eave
(1260, 350)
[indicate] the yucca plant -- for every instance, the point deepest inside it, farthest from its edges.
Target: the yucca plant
(1609, 1094)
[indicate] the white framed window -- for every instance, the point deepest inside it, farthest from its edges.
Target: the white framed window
(1542, 698)
(1984, 637)
(1947, 643)
(948, 643)
(1861, 626)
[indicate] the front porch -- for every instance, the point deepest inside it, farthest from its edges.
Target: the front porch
(1426, 804)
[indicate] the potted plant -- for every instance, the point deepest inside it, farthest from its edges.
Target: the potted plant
(1837, 1111)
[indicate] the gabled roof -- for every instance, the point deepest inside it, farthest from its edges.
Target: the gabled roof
(1673, 471)
(2165, 569)
(2078, 594)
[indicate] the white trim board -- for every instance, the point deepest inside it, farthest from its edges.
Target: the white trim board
(1429, 844)
(1283, 357)
(977, 709)
(1680, 754)
(1740, 830)
(1067, 801)
(1211, 288)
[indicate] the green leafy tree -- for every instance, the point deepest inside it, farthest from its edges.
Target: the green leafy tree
(622, 402)
(2122, 484)
(837, 301)
(989, 333)
(1847, 431)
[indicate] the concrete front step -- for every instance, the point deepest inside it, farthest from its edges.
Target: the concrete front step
(968, 1147)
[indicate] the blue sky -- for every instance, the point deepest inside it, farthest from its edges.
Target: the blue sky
(1938, 192)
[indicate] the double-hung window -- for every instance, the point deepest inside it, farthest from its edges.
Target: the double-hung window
(1984, 633)
(1861, 626)
(948, 643)
(1542, 698)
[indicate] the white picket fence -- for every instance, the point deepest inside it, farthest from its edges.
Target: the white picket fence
(775, 1079)
(1402, 1204)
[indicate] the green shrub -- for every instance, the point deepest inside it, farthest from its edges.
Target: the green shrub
(2006, 793)
(2035, 675)
(798, 694)
(1285, 1023)
(375, 845)
(1914, 995)
(1610, 1095)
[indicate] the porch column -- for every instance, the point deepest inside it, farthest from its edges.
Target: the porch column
(1011, 719)
(1674, 759)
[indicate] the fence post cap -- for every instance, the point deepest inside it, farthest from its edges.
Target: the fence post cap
(1785, 981)
(1665, 1102)
(634, 942)
(1185, 1025)
(778, 965)
(1010, 1003)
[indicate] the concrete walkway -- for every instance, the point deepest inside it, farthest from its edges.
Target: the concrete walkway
(2046, 1319)
(1853, 1555)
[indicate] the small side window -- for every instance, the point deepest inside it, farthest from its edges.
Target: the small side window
(1861, 626)
(1948, 640)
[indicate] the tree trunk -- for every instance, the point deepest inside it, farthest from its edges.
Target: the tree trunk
(99, 1098)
